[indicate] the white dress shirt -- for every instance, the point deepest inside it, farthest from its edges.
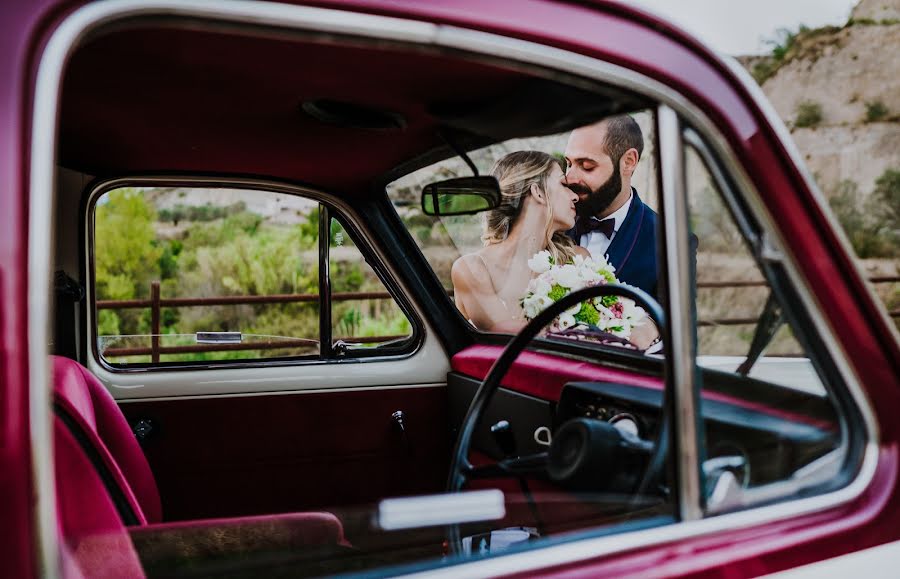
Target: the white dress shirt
(596, 242)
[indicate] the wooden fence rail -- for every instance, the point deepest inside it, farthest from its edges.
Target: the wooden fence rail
(156, 303)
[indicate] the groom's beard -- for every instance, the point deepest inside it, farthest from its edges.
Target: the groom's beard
(599, 200)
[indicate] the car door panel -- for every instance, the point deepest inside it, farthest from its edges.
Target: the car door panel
(242, 455)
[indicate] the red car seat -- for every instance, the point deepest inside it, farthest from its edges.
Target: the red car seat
(108, 499)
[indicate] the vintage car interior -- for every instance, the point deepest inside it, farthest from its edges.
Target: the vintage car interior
(286, 460)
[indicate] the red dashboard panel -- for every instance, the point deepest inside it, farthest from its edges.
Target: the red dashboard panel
(542, 375)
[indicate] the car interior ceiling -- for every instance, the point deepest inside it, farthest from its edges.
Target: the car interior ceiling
(303, 109)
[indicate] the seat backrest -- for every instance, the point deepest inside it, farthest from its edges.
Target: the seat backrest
(95, 542)
(88, 410)
(103, 483)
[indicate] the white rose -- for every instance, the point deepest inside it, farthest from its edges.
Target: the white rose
(574, 309)
(607, 318)
(568, 276)
(530, 308)
(590, 276)
(634, 313)
(543, 302)
(565, 321)
(541, 286)
(540, 262)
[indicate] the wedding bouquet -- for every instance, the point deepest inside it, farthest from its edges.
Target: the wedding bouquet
(613, 314)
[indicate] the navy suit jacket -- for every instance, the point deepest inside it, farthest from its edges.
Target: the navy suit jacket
(633, 248)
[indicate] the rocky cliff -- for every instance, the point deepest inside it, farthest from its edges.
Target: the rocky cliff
(838, 89)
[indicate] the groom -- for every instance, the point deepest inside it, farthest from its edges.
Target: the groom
(612, 220)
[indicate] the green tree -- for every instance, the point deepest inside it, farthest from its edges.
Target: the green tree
(125, 248)
(127, 256)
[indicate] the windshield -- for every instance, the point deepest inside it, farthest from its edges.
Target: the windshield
(503, 266)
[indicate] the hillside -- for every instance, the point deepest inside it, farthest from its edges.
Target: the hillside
(838, 89)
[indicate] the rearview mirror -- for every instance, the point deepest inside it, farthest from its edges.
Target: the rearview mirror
(461, 196)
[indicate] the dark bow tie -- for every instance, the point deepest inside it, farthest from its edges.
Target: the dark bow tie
(585, 225)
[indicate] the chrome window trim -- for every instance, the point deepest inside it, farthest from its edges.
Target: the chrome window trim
(680, 328)
(41, 179)
(419, 330)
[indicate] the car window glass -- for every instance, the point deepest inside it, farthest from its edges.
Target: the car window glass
(192, 275)
(363, 313)
(770, 426)
(732, 292)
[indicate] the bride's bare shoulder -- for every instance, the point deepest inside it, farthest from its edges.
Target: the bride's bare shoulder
(469, 270)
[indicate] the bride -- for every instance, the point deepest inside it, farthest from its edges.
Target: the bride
(535, 211)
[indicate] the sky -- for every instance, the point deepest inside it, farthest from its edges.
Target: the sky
(738, 27)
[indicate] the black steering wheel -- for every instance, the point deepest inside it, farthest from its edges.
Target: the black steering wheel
(461, 470)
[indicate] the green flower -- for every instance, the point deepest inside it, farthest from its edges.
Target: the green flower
(588, 314)
(610, 278)
(609, 301)
(557, 292)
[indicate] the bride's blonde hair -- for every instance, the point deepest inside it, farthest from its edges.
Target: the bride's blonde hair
(516, 173)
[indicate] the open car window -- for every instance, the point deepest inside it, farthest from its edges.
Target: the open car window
(498, 284)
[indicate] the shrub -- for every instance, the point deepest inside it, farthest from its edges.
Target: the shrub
(887, 196)
(764, 70)
(876, 111)
(786, 39)
(845, 204)
(809, 114)
(418, 219)
(873, 228)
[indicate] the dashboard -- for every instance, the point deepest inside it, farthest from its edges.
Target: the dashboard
(760, 432)
(758, 443)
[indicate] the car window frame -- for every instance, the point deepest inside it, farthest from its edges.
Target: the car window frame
(327, 209)
(41, 173)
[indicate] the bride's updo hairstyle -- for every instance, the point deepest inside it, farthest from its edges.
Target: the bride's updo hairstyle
(516, 173)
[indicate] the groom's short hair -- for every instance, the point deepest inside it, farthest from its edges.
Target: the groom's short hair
(622, 133)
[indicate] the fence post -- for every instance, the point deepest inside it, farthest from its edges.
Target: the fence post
(154, 321)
